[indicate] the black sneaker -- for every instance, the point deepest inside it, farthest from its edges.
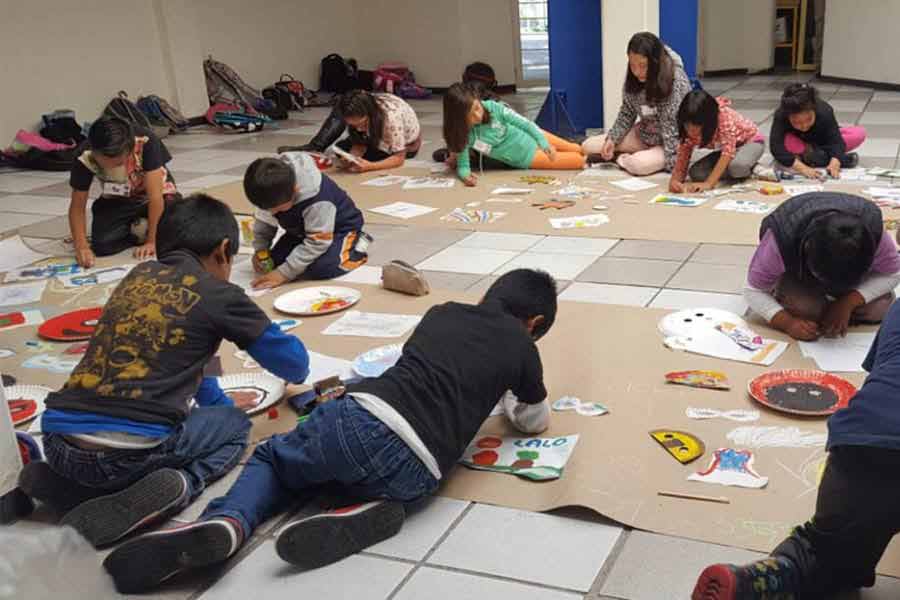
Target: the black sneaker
(62, 494)
(323, 539)
(143, 563)
(766, 579)
(440, 155)
(109, 518)
(851, 160)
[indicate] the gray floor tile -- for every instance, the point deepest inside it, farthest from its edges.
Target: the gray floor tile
(846, 117)
(457, 282)
(441, 584)
(852, 94)
(434, 237)
(850, 105)
(728, 279)
(883, 131)
(426, 522)
(871, 117)
(723, 254)
(383, 252)
(265, 143)
(682, 299)
(879, 147)
(630, 271)
(874, 161)
(56, 228)
(11, 220)
(652, 249)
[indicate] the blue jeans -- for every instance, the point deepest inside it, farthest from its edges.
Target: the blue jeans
(341, 443)
(204, 447)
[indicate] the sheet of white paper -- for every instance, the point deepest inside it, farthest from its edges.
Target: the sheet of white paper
(796, 190)
(844, 355)
(418, 163)
(713, 343)
(385, 180)
(634, 184)
(510, 191)
(365, 324)
(883, 192)
(14, 253)
(419, 183)
(403, 210)
(322, 366)
(242, 274)
(22, 293)
(579, 222)
(744, 206)
(96, 276)
(857, 174)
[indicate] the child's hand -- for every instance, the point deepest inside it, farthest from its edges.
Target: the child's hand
(361, 167)
(837, 316)
(608, 150)
(551, 153)
(268, 281)
(676, 186)
(471, 180)
(834, 168)
(451, 160)
(807, 172)
(799, 329)
(85, 256)
(697, 186)
(145, 251)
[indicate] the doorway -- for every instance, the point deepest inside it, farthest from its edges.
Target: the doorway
(532, 43)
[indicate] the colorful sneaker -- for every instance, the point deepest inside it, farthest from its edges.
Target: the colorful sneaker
(109, 518)
(322, 539)
(143, 563)
(768, 579)
(42, 483)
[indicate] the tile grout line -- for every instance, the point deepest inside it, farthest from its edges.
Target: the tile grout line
(609, 563)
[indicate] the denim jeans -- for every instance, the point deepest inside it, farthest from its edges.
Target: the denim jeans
(341, 443)
(204, 447)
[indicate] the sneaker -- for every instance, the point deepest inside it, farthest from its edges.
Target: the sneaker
(765, 173)
(766, 579)
(440, 155)
(109, 518)
(62, 494)
(322, 539)
(593, 159)
(851, 161)
(143, 563)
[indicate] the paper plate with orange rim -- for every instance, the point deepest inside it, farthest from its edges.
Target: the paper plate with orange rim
(802, 392)
(319, 300)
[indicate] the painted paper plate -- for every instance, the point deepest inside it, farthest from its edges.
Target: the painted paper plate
(252, 392)
(320, 300)
(801, 392)
(75, 326)
(25, 401)
(685, 323)
(377, 360)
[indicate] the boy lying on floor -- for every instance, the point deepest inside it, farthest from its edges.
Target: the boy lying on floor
(124, 448)
(389, 439)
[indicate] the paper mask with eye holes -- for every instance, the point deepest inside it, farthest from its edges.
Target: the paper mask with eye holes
(686, 323)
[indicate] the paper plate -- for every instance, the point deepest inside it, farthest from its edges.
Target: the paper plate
(320, 300)
(685, 322)
(377, 360)
(25, 401)
(801, 392)
(252, 392)
(72, 326)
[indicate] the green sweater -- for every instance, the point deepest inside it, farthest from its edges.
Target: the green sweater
(513, 138)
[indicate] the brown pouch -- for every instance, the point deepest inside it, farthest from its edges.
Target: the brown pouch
(399, 276)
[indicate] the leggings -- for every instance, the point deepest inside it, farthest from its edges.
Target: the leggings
(853, 136)
(740, 167)
(568, 155)
(635, 156)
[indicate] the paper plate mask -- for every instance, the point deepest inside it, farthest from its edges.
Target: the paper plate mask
(802, 392)
(685, 323)
(72, 326)
(714, 380)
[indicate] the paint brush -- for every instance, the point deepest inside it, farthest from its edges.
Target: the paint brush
(718, 499)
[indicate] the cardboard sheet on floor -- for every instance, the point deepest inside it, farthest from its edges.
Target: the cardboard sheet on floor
(632, 219)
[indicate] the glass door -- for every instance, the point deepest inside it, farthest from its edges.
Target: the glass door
(532, 43)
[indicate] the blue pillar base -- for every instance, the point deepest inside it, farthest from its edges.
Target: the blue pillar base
(554, 117)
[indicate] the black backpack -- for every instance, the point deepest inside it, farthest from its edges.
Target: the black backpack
(121, 107)
(338, 74)
(282, 100)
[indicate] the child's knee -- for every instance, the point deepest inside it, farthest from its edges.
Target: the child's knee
(640, 165)
(593, 144)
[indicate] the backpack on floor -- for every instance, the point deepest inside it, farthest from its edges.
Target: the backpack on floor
(281, 99)
(294, 87)
(61, 127)
(32, 151)
(162, 113)
(121, 107)
(224, 86)
(338, 75)
(396, 78)
(233, 118)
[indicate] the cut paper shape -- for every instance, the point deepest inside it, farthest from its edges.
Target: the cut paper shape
(74, 326)
(286, 325)
(25, 401)
(557, 204)
(374, 362)
(22, 293)
(77, 349)
(845, 354)
(576, 192)
(586, 409)
(49, 362)
(386, 180)
(540, 179)
(39, 346)
(420, 183)
(504, 200)
(744, 206)
(579, 222)
(247, 360)
(323, 366)
(742, 336)
(796, 190)
(690, 321)
(318, 300)
(802, 392)
(45, 270)
(252, 392)
(859, 174)
(775, 437)
(683, 446)
(96, 276)
(245, 226)
(403, 210)
(713, 380)
(511, 191)
(713, 343)
(731, 467)
(714, 413)
(473, 216)
(670, 200)
(242, 275)
(538, 459)
(634, 184)
(7, 353)
(23, 318)
(566, 403)
(368, 324)
(14, 254)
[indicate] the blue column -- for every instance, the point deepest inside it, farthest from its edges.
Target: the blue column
(678, 29)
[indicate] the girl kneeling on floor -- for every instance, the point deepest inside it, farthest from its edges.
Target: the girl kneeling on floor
(495, 130)
(707, 122)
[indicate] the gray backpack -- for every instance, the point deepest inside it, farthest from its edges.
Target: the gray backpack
(225, 86)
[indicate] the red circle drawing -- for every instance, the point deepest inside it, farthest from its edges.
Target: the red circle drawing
(523, 464)
(802, 392)
(485, 458)
(73, 326)
(489, 442)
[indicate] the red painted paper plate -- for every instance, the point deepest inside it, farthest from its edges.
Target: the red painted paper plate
(802, 392)
(72, 326)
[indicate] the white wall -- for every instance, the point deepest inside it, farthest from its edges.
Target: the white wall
(861, 40)
(737, 34)
(620, 21)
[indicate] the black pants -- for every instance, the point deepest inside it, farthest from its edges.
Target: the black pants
(816, 157)
(373, 154)
(113, 217)
(857, 514)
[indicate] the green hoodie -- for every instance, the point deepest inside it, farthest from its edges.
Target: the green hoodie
(513, 138)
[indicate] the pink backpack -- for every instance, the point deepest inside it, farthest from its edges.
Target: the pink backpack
(396, 78)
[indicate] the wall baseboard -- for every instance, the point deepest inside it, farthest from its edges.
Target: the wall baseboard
(724, 72)
(878, 85)
(500, 89)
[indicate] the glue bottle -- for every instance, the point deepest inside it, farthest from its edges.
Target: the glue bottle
(265, 260)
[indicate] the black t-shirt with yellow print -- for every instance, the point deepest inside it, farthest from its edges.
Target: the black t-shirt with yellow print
(158, 330)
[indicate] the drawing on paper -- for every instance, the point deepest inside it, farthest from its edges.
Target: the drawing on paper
(473, 216)
(713, 380)
(532, 458)
(731, 467)
(542, 179)
(45, 270)
(775, 437)
(714, 413)
(23, 318)
(683, 446)
(49, 362)
(418, 183)
(670, 200)
(579, 222)
(555, 204)
(586, 409)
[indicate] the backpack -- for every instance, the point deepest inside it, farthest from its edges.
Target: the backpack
(162, 113)
(224, 86)
(281, 99)
(338, 74)
(122, 108)
(231, 117)
(396, 78)
(33, 151)
(296, 89)
(61, 127)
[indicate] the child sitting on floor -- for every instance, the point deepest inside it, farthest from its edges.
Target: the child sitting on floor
(323, 238)
(124, 447)
(494, 129)
(389, 439)
(856, 509)
(707, 122)
(823, 261)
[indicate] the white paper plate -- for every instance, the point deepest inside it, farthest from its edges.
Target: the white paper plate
(685, 323)
(28, 392)
(266, 388)
(302, 302)
(377, 360)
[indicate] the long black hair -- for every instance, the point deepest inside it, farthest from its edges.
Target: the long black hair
(660, 67)
(798, 97)
(457, 104)
(699, 108)
(838, 250)
(359, 103)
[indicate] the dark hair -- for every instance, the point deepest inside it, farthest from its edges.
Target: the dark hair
(660, 67)
(111, 137)
(197, 224)
(269, 182)
(838, 250)
(526, 293)
(798, 97)
(480, 72)
(359, 103)
(699, 108)
(457, 103)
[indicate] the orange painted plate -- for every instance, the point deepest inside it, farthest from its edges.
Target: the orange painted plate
(802, 392)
